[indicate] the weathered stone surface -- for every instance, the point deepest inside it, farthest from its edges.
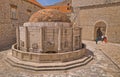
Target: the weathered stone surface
(7, 24)
(43, 41)
(101, 66)
(49, 15)
(89, 13)
(82, 3)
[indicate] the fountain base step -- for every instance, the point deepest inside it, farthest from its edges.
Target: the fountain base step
(48, 66)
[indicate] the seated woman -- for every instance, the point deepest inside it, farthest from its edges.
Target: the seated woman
(105, 39)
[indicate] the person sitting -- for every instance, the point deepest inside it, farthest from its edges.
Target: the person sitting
(99, 35)
(105, 39)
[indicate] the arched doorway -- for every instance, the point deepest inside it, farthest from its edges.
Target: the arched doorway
(102, 27)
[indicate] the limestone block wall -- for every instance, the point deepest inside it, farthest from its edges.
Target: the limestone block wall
(89, 12)
(82, 3)
(7, 24)
(109, 15)
(5, 30)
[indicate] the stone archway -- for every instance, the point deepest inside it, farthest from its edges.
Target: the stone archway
(102, 27)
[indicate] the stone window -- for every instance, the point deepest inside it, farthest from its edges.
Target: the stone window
(13, 12)
(68, 4)
(68, 8)
(29, 11)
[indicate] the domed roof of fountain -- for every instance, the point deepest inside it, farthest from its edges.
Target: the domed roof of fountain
(49, 15)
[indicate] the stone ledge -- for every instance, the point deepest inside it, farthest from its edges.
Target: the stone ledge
(48, 66)
(48, 58)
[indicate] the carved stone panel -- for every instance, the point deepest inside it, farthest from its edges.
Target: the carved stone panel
(35, 46)
(77, 42)
(50, 39)
(77, 39)
(34, 40)
(67, 39)
(21, 45)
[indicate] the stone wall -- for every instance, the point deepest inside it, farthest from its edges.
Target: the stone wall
(8, 25)
(88, 16)
(48, 58)
(108, 15)
(83, 3)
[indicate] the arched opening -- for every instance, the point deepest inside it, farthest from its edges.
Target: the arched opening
(102, 27)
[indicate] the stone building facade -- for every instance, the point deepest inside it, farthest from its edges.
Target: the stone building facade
(91, 14)
(63, 6)
(14, 13)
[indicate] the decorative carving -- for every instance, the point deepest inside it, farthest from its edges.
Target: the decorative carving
(21, 43)
(50, 36)
(49, 46)
(30, 49)
(66, 44)
(50, 43)
(35, 46)
(76, 40)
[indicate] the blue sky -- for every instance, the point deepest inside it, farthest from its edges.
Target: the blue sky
(48, 2)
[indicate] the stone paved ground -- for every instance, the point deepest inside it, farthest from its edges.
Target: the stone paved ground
(101, 66)
(112, 51)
